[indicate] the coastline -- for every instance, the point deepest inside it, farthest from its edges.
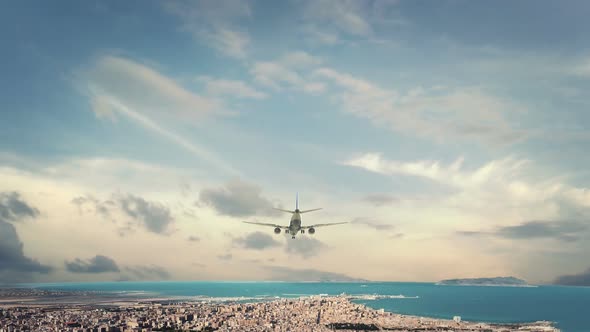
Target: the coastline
(306, 313)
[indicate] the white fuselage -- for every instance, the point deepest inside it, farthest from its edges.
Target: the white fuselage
(295, 224)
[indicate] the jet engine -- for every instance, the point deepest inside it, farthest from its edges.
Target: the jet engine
(311, 230)
(277, 230)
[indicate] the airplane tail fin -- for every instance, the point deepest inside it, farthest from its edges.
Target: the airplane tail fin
(297, 207)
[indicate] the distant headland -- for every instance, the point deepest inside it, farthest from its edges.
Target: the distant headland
(497, 281)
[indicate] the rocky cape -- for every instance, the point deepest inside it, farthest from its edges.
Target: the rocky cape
(496, 281)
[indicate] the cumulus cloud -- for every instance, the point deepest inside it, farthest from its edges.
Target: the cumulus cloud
(14, 208)
(237, 199)
(502, 170)
(214, 22)
(154, 216)
(498, 184)
(306, 247)
(256, 241)
(289, 274)
(89, 203)
(581, 279)
(97, 264)
(510, 189)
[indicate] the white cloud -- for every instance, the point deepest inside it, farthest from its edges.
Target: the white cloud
(501, 188)
(452, 174)
(435, 113)
(288, 71)
(299, 59)
(330, 22)
(141, 87)
(230, 42)
(196, 149)
(214, 22)
(274, 75)
(345, 15)
(123, 87)
(314, 87)
(230, 88)
(581, 68)
(320, 36)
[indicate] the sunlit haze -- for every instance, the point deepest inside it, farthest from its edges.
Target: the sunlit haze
(136, 136)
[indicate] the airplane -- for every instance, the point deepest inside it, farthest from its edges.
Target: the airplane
(295, 224)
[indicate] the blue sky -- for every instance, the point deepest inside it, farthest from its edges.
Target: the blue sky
(432, 126)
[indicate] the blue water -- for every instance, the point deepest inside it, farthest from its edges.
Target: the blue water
(569, 307)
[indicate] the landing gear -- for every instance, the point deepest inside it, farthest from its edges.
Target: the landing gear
(293, 237)
(302, 231)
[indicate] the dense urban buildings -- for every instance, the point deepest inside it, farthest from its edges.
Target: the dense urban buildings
(315, 313)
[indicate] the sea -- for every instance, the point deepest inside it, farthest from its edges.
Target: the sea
(568, 307)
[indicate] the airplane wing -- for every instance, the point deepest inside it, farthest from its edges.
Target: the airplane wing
(322, 225)
(265, 224)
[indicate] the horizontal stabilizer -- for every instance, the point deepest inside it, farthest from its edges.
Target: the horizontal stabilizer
(288, 211)
(305, 211)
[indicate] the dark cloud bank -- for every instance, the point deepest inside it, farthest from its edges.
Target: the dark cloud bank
(14, 265)
(97, 264)
(559, 230)
(102, 264)
(582, 279)
(566, 231)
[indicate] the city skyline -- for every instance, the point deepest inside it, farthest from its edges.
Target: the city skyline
(137, 136)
